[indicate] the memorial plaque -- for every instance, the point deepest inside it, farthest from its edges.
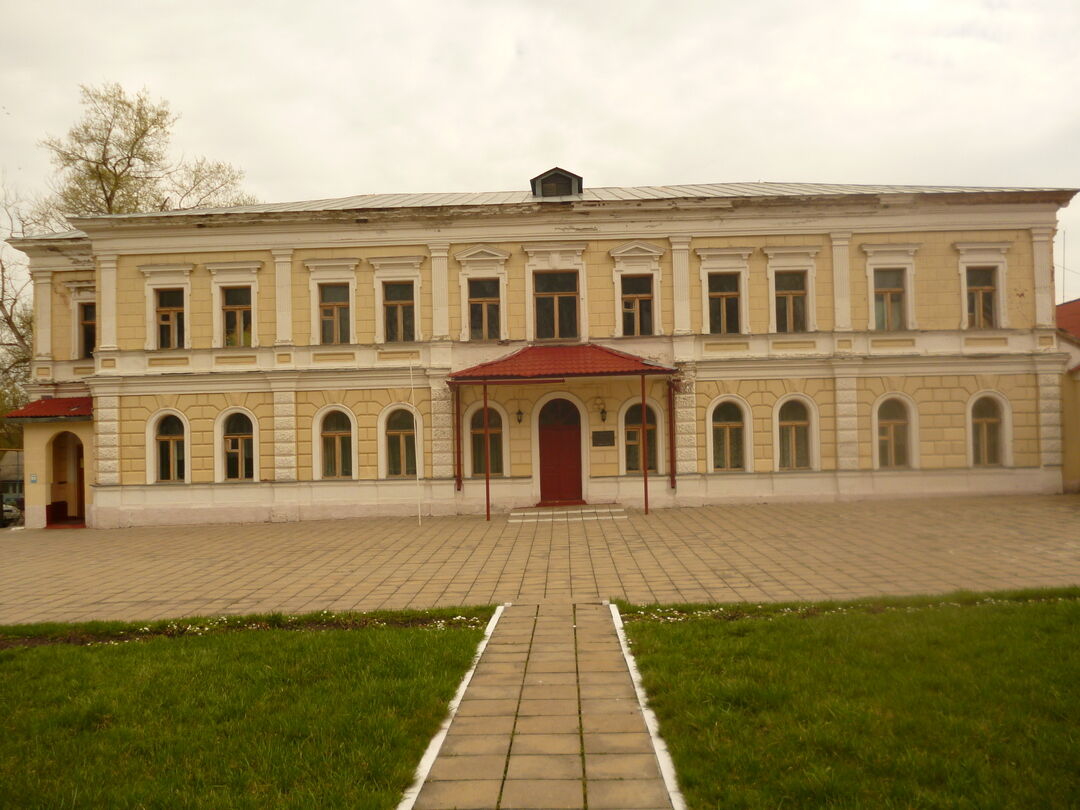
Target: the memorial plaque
(603, 438)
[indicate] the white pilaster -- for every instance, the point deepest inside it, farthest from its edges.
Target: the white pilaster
(841, 265)
(440, 292)
(442, 428)
(42, 314)
(107, 440)
(283, 297)
(285, 435)
(1042, 249)
(680, 282)
(1050, 447)
(106, 305)
(847, 424)
(686, 427)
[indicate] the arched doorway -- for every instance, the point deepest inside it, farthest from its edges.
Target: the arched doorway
(67, 484)
(560, 453)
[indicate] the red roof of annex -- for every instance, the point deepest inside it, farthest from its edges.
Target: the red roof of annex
(1068, 317)
(56, 408)
(544, 362)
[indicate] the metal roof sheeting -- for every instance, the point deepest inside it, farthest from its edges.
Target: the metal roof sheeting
(604, 194)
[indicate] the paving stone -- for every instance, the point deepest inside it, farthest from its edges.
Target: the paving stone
(472, 744)
(546, 766)
(473, 795)
(467, 767)
(621, 743)
(621, 794)
(546, 744)
(482, 725)
(549, 794)
(621, 766)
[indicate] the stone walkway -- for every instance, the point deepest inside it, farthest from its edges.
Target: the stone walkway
(716, 553)
(550, 720)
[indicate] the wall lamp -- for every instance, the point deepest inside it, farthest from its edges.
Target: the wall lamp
(519, 415)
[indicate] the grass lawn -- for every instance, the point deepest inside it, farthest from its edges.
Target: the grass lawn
(327, 710)
(966, 701)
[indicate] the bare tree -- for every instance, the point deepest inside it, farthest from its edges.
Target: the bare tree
(16, 319)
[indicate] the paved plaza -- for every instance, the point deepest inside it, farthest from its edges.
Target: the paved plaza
(758, 552)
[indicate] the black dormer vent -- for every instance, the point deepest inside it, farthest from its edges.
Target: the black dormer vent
(556, 183)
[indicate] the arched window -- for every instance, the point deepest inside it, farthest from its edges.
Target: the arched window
(479, 465)
(986, 432)
(336, 438)
(893, 434)
(170, 446)
(400, 444)
(794, 436)
(239, 448)
(729, 452)
(632, 442)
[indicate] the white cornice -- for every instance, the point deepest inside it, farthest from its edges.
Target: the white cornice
(982, 247)
(345, 264)
(150, 270)
(906, 249)
(784, 250)
(393, 263)
(231, 268)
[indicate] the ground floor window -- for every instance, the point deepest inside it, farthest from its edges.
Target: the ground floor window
(170, 447)
(400, 444)
(729, 452)
(336, 436)
(794, 436)
(239, 448)
(986, 433)
(632, 439)
(892, 435)
(480, 459)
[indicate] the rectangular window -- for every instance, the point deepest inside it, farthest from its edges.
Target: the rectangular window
(981, 291)
(87, 329)
(556, 305)
(484, 309)
(889, 300)
(170, 319)
(398, 310)
(236, 316)
(791, 302)
(637, 305)
(723, 303)
(334, 313)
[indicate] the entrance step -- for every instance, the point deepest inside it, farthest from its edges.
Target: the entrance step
(567, 514)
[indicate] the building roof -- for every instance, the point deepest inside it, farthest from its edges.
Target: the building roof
(73, 408)
(548, 362)
(1068, 317)
(703, 191)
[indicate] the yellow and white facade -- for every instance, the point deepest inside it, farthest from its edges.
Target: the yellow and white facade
(830, 342)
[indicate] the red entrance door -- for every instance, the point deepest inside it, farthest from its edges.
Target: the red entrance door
(560, 453)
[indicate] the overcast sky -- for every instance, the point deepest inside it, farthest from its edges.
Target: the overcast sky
(316, 98)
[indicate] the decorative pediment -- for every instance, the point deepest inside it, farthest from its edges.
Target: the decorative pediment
(556, 182)
(636, 248)
(637, 257)
(482, 255)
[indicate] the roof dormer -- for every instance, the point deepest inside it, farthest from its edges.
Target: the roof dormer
(556, 183)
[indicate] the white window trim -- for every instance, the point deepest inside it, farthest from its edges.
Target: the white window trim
(891, 257)
(661, 434)
(233, 274)
(166, 277)
(316, 442)
(984, 254)
(418, 427)
(397, 268)
(551, 257)
(586, 438)
(466, 430)
(331, 271)
(788, 259)
(219, 446)
(731, 261)
(637, 259)
(815, 437)
(480, 262)
(748, 434)
(152, 449)
(913, 431)
(79, 293)
(1006, 428)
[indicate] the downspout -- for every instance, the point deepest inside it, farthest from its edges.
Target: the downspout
(671, 430)
(487, 458)
(644, 444)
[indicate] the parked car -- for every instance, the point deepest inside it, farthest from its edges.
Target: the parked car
(11, 514)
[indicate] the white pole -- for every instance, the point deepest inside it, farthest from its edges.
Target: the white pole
(416, 456)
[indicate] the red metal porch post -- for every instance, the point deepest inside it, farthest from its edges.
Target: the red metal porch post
(644, 448)
(487, 458)
(457, 437)
(671, 430)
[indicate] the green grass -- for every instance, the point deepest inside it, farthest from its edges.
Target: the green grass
(312, 716)
(966, 701)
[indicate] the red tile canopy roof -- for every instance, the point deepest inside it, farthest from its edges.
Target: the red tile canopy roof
(548, 362)
(1068, 317)
(73, 408)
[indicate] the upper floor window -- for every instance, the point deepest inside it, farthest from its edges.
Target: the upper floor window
(494, 442)
(791, 302)
(239, 448)
(981, 294)
(170, 319)
(633, 442)
(398, 311)
(87, 329)
(723, 303)
(484, 309)
(892, 435)
(336, 436)
(170, 449)
(794, 436)
(334, 313)
(728, 443)
(889, 300)
(236, 316)
(637, 305)
(556, 303)
(400, 444)
(986, 432)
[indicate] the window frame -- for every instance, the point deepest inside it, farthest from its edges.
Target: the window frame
(331, 271)
(151, 447)
(485, 305)
(238, 310)
(1005, 433)
(383, 450)
(233, 275)
(176, 328)
(813, 433)
(81, 324)
(219, 446)
(725, 261)
(557, 297)
(636, 299)
(975, 255)
(748, 434)
(554, 257)
(316, 442)
(466, 424)
(165, 277)
(80, 293)
(476, 264)
(637, 258)
(913, 442)
(661, 435)
(398, 269)
(893, 256)
(789, 260)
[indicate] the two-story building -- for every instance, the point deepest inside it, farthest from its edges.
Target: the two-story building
(686, 344)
